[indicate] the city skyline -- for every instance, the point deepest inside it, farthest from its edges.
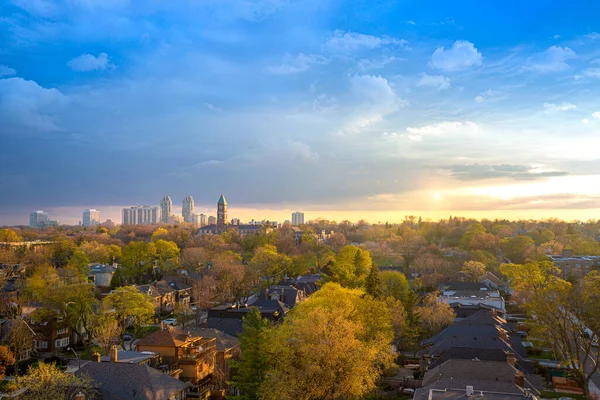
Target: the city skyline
(353, 110)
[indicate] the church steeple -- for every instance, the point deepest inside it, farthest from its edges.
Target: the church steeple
(222, 211)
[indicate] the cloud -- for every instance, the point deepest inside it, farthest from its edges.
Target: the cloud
(6, 71)
(294, 64)
(551, 108)
(341, 41)
(553, 59)
(487, 95)
(596, 114)
(588, 73)
(88, 62)
(592, 36)
(41, 8)
(366, 64)
(25, 104)
(462, 55)
(439, 82)
(444, 127)
(374, 98)
(472, 172)
(585, 121)
(411, 23)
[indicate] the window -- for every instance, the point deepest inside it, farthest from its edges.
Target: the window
(62, 342)
(42, 344)
(61, 331)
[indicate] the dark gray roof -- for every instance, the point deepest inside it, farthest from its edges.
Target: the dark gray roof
(483, 317)
(460, 394)
(149, 290)
(464, 286)
(102, 268)
(120, 381)
(231, 326)
(291, 294)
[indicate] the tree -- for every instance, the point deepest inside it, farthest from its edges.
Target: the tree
(19, 339)
(373, 282)
(473, 270)
(351, 267)
(408, 246)
(79, 262)
(250, 371)
(334, 345)
(106, 332)
(268, 263)
(394, 284)
(8, 235)
(6, 359)
(434, 315)
(474, 230)
(127, 305)
(48, 382)
(137, 261)
(518, 248)
(166, 255)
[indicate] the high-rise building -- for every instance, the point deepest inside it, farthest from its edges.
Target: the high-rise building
(38, 219)
(91, 217)
(166, 209)
(141, 215)
(199, 220)
(222, 210)
(212, 220)
(187, 210)
(297, 218)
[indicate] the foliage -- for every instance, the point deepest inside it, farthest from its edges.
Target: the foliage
(48, 382)
(394, 284)
(351, 267)
(8, 235)
(518, 248)
(434, 315)
(128, 306)
(373, 282)
(269, 264)
(7, 359)
(473, 270)
(334, 345)
(250, 371)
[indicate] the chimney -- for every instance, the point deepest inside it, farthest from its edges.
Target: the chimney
(114, 353)
(96, 357)
(282, 297)
(470, 391)
(266, 294)
(520, 379)
(511, 359)
(80, 396)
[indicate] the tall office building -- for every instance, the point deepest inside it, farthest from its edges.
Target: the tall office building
(91, 217)
(297, 218)
(199, 220)
(141, 215)
(38, 219)
(187, 209)
(166, 209)
(222, 211)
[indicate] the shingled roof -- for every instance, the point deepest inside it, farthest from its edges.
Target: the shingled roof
(120, 381)
(169, 336)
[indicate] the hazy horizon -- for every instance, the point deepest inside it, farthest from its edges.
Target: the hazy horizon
(362, 110)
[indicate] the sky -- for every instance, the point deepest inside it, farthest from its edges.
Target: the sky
(342, 109)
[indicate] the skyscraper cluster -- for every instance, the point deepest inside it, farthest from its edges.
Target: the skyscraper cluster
(297, 218)
(165, 213)
(40, 219)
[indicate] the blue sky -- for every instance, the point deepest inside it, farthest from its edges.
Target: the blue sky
(368, 109)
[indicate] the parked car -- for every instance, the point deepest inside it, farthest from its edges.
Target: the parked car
(127, 337)
(170, 321)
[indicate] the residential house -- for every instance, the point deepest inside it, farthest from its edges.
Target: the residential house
(132, 381)
(102, 275)
(228, 318)
(493, 282)
(162, 293)
(228, 348)
(467, 379)
(192, 356)
(181, 287)
(52, 335)
(467, 293)
(290, 295)
(307, 283)
(153, 292)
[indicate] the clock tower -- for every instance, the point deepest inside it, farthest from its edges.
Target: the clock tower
(222, 211)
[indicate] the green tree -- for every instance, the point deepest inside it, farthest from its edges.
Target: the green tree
(434, 315)
(473, 270)
(127, 305)
(250, 371)
(166, 255)
(137, 261)
(269, 264)
(79, 262)
(351, 267)
(8, 235)
(394, 284)
(518, 248)
(334, 345)
(7, 359)
(474, 230)
(373, 282)
(49, 382)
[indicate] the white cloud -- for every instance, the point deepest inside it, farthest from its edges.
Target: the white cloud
(551, 108)
(366, 64)
(487, 95)
(585, 121)
(375, 99)
(25, 104)
(411, 23)
(41, 8)
(293, 64)
(557, 36)
(444, 127)
(341, 41)
(588, 73)
(593, 36)
(596, 114)
(439, 82)
(6, 71)
(88, 62)
(462, 55)
(553, 59)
